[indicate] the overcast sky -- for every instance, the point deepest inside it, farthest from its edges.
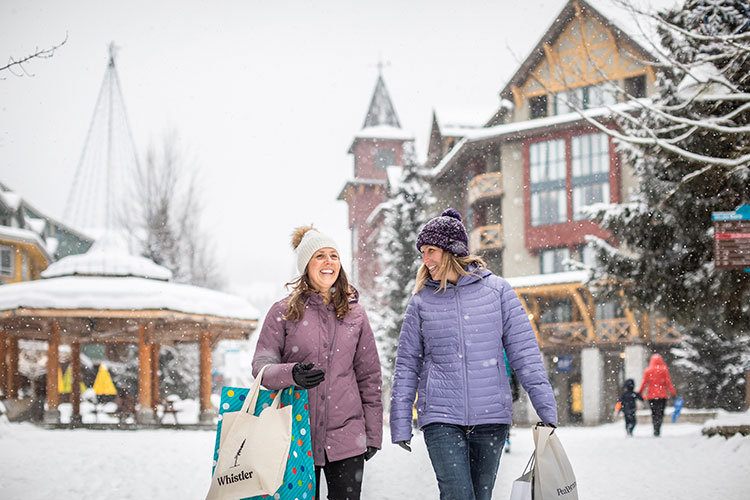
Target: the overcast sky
(266, 97)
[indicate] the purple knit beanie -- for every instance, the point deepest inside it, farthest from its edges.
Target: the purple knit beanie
(445, 232)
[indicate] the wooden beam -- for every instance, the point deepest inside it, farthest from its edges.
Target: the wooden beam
(53, 365)
(75, 391)
(590, 330)
(532, 320)
(3, 362)
(12, 373)
(205, 371)
(144, 367)
(155, 397)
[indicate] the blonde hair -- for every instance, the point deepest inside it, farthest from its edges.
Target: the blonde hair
(450, 263)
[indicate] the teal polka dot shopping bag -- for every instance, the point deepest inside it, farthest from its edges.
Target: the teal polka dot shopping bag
(299, 475)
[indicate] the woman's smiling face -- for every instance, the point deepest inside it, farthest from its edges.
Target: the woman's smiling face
(323, 269)
(432, 258)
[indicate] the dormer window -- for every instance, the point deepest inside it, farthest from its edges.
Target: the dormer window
(6, 260)
(538, 106)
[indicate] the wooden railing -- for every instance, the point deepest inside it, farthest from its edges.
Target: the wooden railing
(564, 333)
(485, 186)
(663, 331)
(486, 238)
(613, 330)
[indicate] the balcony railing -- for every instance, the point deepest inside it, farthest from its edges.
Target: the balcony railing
(485, 186)
(564, 333)
(613, 330)
(486, 238)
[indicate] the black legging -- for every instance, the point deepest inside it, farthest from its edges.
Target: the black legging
(657, 413)
(343, 478)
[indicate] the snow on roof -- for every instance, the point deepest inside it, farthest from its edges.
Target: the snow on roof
(548, 279)
(22, 235)
(51, 245)
(36, 224)
(384, 132)
(107, 257)
(479, 134)
(10, 199)
(121, 294)
(705, 79)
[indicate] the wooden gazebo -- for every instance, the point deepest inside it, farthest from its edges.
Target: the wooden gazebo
(109, 297)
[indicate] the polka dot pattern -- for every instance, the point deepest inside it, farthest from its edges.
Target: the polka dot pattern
(299, 478)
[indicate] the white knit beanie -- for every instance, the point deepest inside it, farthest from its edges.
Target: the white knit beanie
(312, 241)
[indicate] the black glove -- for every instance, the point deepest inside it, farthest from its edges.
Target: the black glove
(405, 445)
(307, 378)
(370, 452)
(547, 424)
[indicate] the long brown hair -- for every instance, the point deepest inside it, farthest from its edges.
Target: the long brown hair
(449, 262)
(302, 288)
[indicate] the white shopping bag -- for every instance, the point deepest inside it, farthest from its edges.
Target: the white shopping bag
(252, 450)
(522, 486)
(553, 476)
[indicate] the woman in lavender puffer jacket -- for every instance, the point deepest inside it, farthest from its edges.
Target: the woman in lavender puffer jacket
(450, 355)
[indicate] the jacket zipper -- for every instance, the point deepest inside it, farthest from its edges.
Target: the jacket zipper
(328, 371)
(463, 358)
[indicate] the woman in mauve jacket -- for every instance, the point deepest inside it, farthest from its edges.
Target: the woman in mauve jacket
(318, 338)
(450, 354)
(657, 382)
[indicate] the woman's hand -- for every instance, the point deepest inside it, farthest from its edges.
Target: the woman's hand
(307, 378)
(370, 452)
(405, 445)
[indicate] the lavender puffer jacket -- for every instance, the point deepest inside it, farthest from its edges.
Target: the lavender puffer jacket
(346, 410)
(450, 354)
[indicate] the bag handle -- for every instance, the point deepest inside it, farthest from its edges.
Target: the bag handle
(252, 397)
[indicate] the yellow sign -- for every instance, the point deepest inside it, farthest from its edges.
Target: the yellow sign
(576, 396)
(103, 385)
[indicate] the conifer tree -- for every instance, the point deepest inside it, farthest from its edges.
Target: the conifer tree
(405, 211)
(690, 149)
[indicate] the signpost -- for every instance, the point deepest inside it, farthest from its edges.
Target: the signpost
(732, 239)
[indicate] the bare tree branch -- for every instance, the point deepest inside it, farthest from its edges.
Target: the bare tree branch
(18, 64)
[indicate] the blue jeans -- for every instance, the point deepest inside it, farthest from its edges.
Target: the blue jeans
(465, 458)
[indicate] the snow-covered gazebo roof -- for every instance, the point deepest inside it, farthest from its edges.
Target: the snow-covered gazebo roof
(108, 291)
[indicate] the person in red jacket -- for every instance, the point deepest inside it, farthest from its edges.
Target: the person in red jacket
(656, 382)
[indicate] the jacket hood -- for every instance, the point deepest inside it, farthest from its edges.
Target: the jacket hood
(467, 279)
(657, 361)
(629, 384)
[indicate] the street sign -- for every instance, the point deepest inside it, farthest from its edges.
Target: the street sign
(732, 239)
(564, 364)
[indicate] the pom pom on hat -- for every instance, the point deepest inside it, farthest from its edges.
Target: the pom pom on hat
(306, 240)
(445, 232)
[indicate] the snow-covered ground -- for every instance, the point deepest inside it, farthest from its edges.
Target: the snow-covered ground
(168, 464)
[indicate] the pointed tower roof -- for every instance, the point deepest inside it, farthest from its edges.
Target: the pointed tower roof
(381, 110)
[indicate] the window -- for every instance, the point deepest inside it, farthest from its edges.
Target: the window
(384, 158)
(588, 256)
(6, 261)
(538, 106)
(593, 96)
(590, 168)
(557, 311)
(547, 174)
(609, 310)
(552, 260)
(636, 86)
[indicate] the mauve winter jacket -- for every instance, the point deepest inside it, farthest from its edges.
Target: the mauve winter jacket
(346, 410)
(450, 354)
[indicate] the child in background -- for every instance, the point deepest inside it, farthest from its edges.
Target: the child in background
(626, 404)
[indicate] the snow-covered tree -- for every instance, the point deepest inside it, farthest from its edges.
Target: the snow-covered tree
(405, 211)
(690, 148)
(164, 217)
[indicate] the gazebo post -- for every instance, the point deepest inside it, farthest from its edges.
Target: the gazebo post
(207, 412)
(52, 413)
(12, 374)
(3, 363)
(75, 391)
(155, 378)
(145, 412)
